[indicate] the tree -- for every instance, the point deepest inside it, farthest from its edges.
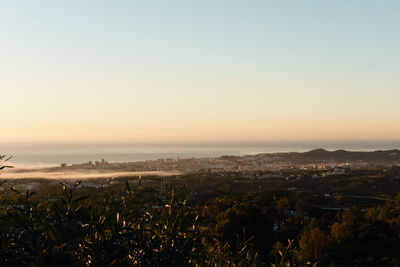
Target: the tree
(313, 245)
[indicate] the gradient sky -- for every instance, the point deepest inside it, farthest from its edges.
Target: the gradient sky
(132, 71)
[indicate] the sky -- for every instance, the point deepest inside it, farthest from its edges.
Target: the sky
(154, 71)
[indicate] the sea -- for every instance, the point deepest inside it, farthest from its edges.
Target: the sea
(29, 155)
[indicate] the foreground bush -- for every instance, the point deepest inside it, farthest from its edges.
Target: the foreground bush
(124, 230)
(143, 227)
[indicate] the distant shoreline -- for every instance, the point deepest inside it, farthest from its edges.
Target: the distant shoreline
(26, 156)
(176, 166)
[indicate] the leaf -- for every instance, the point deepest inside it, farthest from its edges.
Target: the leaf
(13, 189)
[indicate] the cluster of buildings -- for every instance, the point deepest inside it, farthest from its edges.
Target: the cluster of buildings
(103, 164)
(250, 163)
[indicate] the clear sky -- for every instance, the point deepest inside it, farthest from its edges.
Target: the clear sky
(133, 71)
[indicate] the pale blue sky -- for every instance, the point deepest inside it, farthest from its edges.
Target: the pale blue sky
(199, 70)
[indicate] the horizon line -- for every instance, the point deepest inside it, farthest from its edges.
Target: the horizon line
(166, 142)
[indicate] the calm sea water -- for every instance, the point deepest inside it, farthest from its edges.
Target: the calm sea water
(39, 155)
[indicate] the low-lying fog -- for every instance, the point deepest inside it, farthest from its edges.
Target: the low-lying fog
(12, 174)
